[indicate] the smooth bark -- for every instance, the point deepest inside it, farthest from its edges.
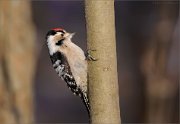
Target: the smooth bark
(103, 79)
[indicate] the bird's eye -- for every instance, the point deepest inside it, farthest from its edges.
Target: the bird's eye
(62, 35)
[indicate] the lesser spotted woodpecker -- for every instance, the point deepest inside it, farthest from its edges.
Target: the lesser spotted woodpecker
(69, 61)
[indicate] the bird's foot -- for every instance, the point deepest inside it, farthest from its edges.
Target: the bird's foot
(89, 56)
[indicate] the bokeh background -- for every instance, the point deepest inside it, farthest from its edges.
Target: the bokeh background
(147, 36)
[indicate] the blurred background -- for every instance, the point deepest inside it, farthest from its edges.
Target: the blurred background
(147, 35)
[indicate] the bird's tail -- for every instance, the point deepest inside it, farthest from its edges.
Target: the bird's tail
(86, 102)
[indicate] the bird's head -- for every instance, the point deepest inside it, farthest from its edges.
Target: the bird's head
(57, 39)
(58, 35)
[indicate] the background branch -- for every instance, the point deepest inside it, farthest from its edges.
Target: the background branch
(17, 60)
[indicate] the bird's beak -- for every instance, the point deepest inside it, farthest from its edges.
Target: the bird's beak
(70, 35)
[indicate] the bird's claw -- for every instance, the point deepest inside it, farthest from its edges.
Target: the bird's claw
(89, 56)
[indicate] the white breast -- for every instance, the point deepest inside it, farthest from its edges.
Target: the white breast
(77, 61)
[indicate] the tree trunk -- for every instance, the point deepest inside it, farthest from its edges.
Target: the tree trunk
(103, 80)
(17, 60)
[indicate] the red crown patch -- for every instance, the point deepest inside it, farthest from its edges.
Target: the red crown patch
(57, 29)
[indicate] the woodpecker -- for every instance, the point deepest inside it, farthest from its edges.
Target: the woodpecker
(69, 61)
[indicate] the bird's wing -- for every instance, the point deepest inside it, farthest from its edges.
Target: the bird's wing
(62, 68)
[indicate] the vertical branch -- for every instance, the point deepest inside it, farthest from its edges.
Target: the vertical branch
(17, 61)
(103, 80)
(160, 89)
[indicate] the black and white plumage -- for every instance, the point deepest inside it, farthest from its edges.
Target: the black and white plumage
(69, 62)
